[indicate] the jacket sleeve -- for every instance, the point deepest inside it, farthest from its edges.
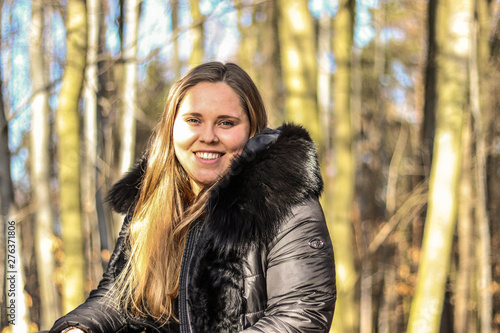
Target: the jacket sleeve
(300, 276)
(98, 313)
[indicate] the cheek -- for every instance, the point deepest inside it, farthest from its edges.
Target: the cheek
(181, 137)
(237, 142)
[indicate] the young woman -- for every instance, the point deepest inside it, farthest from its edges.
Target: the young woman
(224, 231)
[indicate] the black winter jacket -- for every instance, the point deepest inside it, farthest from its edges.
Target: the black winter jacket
(261, 260)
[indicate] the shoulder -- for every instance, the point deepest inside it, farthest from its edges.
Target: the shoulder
(306, 222)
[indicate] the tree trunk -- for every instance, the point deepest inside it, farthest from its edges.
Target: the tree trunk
(342, 184)
(197, 53)
(493, 135)
(324, 83)
(478, 82)
(386, 321)
(6, 190)
(40, 171)
(128, 121)
(298, 54)
(465, 238)
(176, 63)
(452, 63)
(248, 46)
(67, 123)
(6, 195)
(271, 68)
(15, 311)
(430, 88)
(89, 188)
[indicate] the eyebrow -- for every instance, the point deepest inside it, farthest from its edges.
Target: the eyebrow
(197, 114)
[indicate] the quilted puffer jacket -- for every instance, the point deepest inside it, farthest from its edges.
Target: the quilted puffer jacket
(260, 261)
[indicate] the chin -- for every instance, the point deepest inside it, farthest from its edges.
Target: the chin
(207, 181)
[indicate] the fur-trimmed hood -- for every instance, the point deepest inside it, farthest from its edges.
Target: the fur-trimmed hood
(276, 170)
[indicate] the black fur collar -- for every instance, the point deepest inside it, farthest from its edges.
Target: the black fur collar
(276, 170)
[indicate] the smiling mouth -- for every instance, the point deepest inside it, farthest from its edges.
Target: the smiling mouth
(208, 156)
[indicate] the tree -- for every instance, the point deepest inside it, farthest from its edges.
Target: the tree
(176, 62)
(465, 236)
(197, 52)
(247, 48)
(6, 192)
(89, 176)
(479, 95)
(430, 87)
(298, 54)
(40, 170)
(452, 75)
(11, 246)
(67, 124)
(493, 133)
(128, 120)
(341, 186)
(270, 66)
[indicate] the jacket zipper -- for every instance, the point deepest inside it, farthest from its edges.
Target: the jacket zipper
(184, 318)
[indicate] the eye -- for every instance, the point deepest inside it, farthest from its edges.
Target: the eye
(193, 120)
(226, 123)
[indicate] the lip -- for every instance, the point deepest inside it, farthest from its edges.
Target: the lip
(205, 161)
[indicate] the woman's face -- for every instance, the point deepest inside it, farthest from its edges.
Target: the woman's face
(210, 129)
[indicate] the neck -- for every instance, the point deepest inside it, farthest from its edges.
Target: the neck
(197, 188)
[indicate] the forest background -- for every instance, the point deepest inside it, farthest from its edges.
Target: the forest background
(400, 96)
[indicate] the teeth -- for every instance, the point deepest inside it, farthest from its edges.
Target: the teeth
(208, 156)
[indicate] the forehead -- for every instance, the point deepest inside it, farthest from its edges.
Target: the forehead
(206, 94)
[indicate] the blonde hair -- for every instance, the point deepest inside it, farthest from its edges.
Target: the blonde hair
(167, 206)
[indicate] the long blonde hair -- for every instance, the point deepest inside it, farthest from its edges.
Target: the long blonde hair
(167, 206)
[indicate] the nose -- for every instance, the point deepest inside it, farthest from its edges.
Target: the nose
(208, 134)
